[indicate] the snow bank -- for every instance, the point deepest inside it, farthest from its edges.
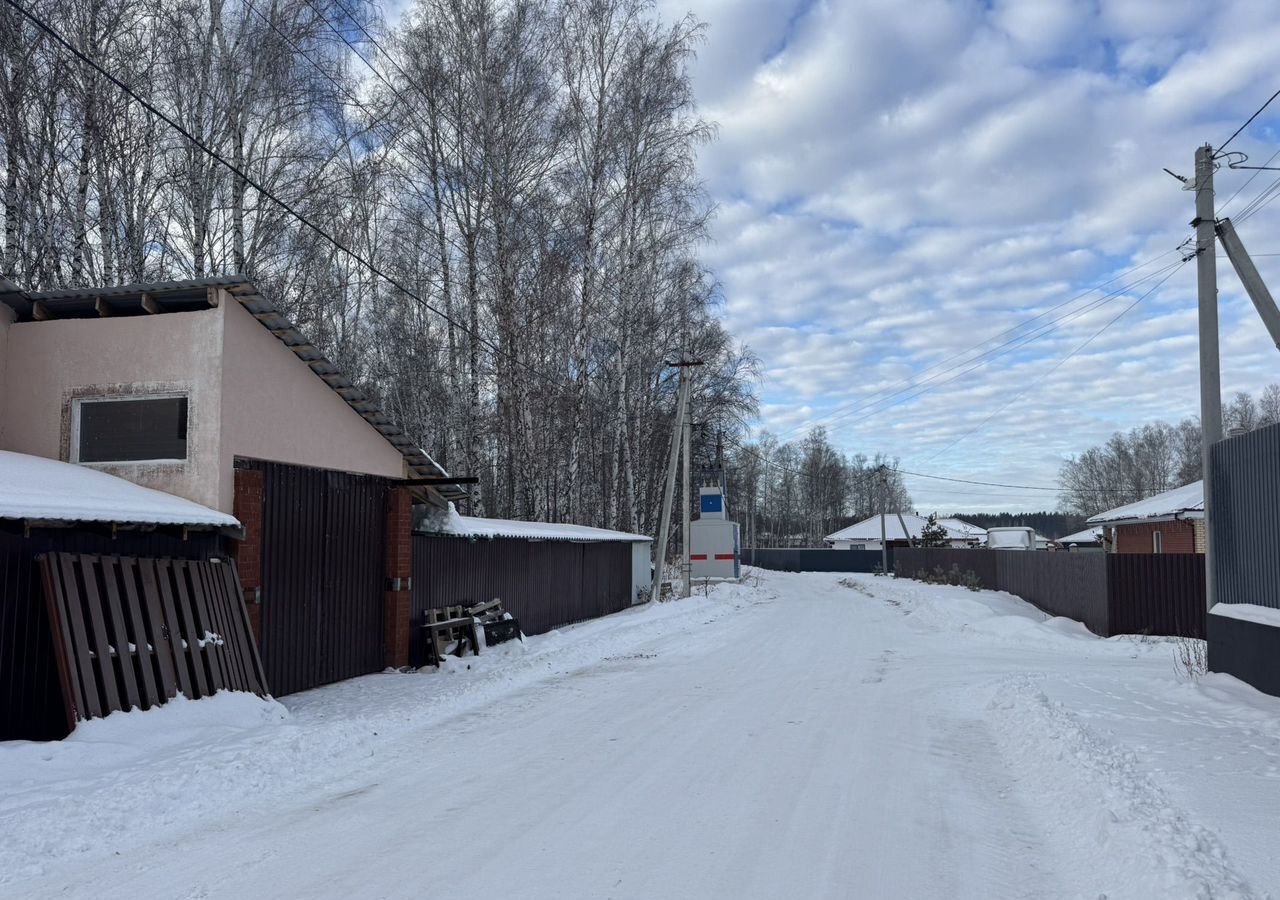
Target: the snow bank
(1248, 612)
(1099, 800)
(32, 487)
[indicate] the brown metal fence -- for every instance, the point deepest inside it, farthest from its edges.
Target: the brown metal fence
(1162, 594)
(31, 705)
(323, 575)
(1062, 584)
(545, 584)
(1113, 593)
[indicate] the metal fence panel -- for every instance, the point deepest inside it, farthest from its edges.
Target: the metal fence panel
(323, 574)
(788, 559)
(545, 584)
(1246, 504)
(1157, 594)
(1062, 584)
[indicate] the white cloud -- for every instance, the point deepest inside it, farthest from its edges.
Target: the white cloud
(899, 181)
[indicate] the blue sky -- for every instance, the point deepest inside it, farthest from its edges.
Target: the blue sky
(898, 181)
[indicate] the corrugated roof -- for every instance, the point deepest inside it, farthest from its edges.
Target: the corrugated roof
(1186, 502)
(176, 296)
(1088, 536)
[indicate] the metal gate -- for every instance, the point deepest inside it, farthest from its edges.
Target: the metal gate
(323, 574)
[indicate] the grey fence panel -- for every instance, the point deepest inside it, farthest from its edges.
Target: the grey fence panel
(1246, 506)
(785, 559)
(1062, 584)
(982, 563)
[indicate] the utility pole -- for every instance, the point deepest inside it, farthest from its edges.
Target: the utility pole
(1210, 375)
(686, 566)
(668, 494)
(884, 514)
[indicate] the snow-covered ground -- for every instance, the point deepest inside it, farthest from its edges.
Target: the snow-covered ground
(815, 735)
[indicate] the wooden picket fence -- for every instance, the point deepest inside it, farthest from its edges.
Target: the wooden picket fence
(134, 632)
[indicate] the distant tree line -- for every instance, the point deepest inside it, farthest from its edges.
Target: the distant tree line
(795, 493)
(1049, 524)
(527, 167)
(1157, 457)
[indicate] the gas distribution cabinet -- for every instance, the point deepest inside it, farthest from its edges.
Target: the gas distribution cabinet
(713, 539)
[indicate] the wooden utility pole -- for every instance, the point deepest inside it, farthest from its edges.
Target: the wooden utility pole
(1210, 374)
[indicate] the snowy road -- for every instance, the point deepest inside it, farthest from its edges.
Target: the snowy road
(798, 737)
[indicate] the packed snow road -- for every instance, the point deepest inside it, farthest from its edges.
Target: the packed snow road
(796, 736)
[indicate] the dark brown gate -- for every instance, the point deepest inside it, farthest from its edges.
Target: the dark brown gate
(323, 574)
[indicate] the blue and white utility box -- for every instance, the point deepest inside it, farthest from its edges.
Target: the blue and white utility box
(713, 539)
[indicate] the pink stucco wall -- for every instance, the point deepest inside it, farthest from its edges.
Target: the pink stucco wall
(48, 364)
(274, 407)
(248, 396)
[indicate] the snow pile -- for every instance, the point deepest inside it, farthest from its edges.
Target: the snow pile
(439, 521)
(32, 487)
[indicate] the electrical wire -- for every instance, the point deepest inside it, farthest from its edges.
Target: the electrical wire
(911, 382)
(1246, 124)
(1011, 345)
(263, 191)
(1002, 407)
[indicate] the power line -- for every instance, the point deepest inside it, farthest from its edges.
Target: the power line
(1246, 124)
(1016, 343)
(838, 413)
(251, 181)
(1056, 366)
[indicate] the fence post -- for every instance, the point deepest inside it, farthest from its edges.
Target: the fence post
(397, 598)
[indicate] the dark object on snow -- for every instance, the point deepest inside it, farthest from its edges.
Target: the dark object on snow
(501, 631)
(134, 632)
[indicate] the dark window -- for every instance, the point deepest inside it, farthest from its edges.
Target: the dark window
(128, 430)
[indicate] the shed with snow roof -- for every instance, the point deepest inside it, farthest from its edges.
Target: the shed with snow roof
(47, 505)
(1168, 522)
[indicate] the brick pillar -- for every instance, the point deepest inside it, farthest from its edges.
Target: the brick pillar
(397, 604)
(247, 507)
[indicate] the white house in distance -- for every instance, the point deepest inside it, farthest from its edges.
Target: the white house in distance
(865, 535)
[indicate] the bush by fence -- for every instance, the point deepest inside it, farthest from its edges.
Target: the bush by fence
(1110, 593)
(786, 559)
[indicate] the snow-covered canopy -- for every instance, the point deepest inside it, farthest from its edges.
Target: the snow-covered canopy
(1186, 502)
(869, 529)
(451, 522)
(32, 487)
(1088, 536)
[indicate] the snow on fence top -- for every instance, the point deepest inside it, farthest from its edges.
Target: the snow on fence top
(474, 526)
(1186, 502)
(32, 487)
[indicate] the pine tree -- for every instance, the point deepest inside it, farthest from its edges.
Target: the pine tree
(933, 534)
